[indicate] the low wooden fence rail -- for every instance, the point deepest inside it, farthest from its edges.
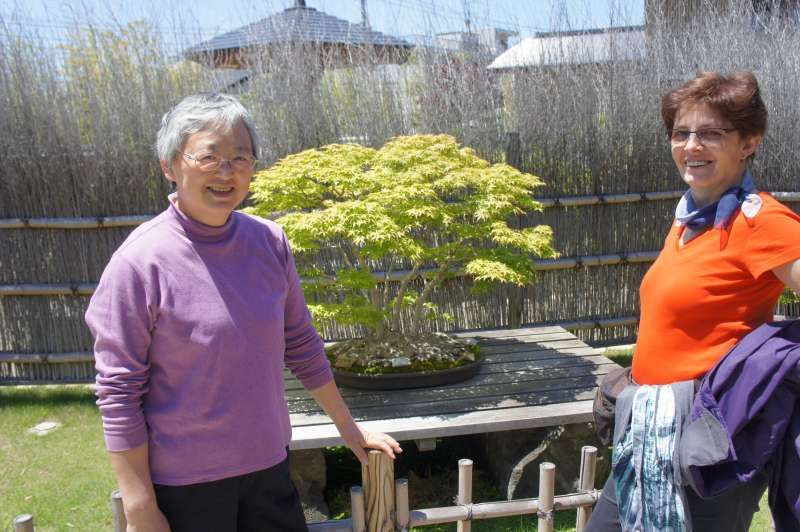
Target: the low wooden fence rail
(563, 263)
(381, 504)
(98, 222)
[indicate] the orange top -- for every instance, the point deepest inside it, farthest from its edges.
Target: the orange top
(698, 301)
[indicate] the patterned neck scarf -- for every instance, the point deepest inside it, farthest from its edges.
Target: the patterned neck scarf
(719, 213)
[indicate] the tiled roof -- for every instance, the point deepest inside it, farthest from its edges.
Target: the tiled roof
(217, 79)
(298, 24)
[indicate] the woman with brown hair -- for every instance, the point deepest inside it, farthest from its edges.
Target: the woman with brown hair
(726, 259)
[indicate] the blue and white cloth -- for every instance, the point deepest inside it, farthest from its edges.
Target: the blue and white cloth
(643, 467)
(719, 213)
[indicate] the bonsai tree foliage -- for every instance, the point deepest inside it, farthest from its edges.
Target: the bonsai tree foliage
(401, 220)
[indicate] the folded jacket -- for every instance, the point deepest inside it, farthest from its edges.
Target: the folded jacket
(746, 418)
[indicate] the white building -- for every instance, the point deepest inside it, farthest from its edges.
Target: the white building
(596, 46)
(491, 41)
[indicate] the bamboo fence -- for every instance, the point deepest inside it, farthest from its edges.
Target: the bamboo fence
(43, 337)
(42, 348)
(381, 504)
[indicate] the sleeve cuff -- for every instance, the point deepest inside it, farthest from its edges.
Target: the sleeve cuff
(125, 442)
(775, 261)
(318, 379)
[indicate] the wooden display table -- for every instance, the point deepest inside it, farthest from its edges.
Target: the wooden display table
(531, 377)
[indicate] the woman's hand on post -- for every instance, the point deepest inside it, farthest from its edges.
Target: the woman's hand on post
(380, 441)
(359, 440)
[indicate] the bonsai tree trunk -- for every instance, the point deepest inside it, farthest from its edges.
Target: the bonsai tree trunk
(401, 292)
(419, 305)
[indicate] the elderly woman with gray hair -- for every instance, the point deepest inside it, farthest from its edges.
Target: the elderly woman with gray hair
(194, 319)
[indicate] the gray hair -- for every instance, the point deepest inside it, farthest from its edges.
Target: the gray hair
(195, 113)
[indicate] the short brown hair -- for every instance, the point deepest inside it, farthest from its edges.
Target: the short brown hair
(735, 97)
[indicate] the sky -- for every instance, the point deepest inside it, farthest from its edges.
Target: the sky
(185, 22)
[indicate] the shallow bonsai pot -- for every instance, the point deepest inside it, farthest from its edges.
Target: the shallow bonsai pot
(398, 381)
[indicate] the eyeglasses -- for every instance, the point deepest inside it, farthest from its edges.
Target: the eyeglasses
(211, 162)
(711, 136)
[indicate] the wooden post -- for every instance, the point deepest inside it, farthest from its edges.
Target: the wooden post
(23, 523)
(378, 480)
(586, 483)
(465, 492)
(118, 512)
(547, 484)
(401, 498)
(357, 509)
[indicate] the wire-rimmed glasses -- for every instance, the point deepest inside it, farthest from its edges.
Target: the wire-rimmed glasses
(211, 162)
(709, 136)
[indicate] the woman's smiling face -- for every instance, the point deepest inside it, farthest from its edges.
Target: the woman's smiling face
(711, 168)
(210, 197)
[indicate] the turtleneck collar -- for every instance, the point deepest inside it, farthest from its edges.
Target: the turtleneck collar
(197, 231)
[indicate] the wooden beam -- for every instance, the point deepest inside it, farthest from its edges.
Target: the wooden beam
(411, 428)
(425, 445)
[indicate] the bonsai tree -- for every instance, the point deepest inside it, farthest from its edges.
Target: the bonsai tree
(402, 220)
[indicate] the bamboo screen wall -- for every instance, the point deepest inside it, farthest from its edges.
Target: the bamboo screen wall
(77, 169)
(49, 274)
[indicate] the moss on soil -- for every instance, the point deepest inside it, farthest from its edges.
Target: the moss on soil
(426, 352)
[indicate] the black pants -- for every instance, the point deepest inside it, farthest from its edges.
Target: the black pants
(730, 511)
(262, 501)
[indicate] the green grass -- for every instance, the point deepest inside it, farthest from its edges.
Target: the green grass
(64, 480)
(623, 357)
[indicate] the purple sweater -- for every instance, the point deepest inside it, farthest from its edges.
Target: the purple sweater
(193, 325)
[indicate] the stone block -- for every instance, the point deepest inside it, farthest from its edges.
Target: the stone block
(513, 458)
(307, 471)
